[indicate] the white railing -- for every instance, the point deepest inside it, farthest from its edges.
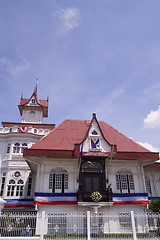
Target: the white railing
(79, 225)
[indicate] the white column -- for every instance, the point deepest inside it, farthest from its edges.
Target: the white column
(88, 226)
(37, 179)
(133, 226)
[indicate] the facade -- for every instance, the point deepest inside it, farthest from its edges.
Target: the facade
(81, 157)
(16, 184)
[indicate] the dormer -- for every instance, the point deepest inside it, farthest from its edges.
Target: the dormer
(33, 110)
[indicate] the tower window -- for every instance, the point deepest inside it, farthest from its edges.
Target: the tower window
(15, 188)
(16, 148)
(2, 184)
(24, 146)
(8, 148)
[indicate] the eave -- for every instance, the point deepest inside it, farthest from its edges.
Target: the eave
(71, 153)
(35, 125)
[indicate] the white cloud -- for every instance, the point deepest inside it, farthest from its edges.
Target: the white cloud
(153, 119)
(14, 68)
(69, 18)
(149, 146)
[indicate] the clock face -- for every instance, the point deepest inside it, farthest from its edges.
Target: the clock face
(17, 174)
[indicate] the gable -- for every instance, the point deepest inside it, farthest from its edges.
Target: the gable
(94, 140)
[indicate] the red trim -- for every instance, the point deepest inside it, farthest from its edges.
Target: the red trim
(55, 202)
(130, 202)
(137, 155)
(48, 153)
(19, 205)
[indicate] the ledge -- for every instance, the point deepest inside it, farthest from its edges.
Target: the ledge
(95, 205)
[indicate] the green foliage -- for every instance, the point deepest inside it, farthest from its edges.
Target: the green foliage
(155, 205)
(100, 235)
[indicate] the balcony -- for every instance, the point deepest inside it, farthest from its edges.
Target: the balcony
(85, 197)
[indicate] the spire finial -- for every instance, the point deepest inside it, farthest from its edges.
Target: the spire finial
(35, 90)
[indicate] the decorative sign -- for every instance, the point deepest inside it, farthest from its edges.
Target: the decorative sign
(23, 129)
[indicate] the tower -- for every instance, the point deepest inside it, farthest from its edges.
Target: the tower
(33, 110)
(16, 178)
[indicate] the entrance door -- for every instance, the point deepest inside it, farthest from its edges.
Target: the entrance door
(92, 182)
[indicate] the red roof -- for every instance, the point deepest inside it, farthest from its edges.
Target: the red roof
(64, 138)
(42, 103)
(153, 165)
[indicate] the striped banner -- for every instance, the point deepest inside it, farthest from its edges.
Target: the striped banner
(130, 198)
(19, 203)
(55, 198)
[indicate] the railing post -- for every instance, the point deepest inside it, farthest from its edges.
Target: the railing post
(42, 225)
(133, 226)
(88, 225)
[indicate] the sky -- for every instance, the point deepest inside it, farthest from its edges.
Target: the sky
(89, 56)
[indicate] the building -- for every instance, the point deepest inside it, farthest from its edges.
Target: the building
(16, 184)
(81, 157)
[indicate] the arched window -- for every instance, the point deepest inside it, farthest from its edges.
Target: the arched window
(15, 188)
(19, 187)
(11, 187)
(8, 148)
(24, 146)
(124, 181)
(58, 180)
(16, 148)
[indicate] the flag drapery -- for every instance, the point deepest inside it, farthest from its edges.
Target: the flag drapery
(23, 129)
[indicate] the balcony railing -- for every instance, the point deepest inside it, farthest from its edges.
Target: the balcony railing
(86, 197)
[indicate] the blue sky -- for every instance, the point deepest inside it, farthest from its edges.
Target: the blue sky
(89, 56)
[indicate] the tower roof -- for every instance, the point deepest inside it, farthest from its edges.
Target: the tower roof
(26, 103)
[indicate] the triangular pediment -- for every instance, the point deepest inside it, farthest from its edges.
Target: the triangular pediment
(95, 140)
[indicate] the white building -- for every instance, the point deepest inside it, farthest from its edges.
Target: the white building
(80, 157)
(16, 184)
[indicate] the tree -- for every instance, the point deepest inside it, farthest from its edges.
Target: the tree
(155, 205)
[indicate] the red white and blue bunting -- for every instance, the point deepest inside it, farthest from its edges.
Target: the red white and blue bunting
(19, 203)
(55, 198)
(23, 129)
(130, 198)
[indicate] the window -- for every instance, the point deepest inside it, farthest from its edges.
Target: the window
(148, 186)
(124, 181)
(16, 148)
(11, 187)
(8, 148)
(2, 184)
(15, 188)
(24, 146)
(58, 180)
(19, 188)
(33, 101)
(29, 188)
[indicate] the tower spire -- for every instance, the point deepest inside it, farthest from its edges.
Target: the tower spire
(35, 90)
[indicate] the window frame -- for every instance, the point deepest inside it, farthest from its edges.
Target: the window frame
(125, 181)
(58, 180)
